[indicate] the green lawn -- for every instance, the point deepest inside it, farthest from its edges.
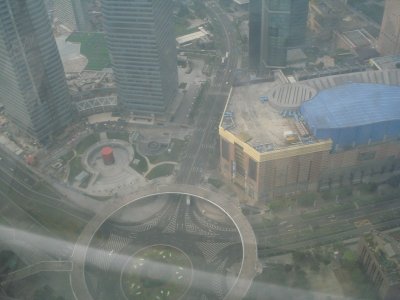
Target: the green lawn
(118, 135)
(142, 166)
(160, 171)
(93, 46)
(75, 167)
(144, 279)
(215, 182)
(98, 198)
(182, 29)
(66, 157)
(88, 141)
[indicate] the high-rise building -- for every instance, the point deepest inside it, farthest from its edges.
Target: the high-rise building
(379, 254)
(389, 37)
(283, 25)
(254, 33)
(33, 87)
(80, 11)
(298, 22)
(71, 14)
(141, 44)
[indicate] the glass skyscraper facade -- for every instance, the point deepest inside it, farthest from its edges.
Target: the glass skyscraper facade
(298, 22)
(255, 17)
(283, 25)
(33, 87)
(141, 42)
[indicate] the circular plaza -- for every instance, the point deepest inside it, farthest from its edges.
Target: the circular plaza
(195, 245)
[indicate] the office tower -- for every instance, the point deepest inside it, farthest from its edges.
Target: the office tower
(64, 13)
(33, 88)
(254, 33)
(298, 22)
(389, 37)
(284, 24)
(80, 12)
(141, 44)
(71, 14)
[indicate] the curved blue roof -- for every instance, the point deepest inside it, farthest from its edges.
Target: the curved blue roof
(352, 105)
(354, 114)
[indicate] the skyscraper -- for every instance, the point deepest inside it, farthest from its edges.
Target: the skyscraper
(71, 14)
(283, 25)
(389, 37)
(298, 22)
(33, 88)
(254, 33)
(80, 11)
(141, 44)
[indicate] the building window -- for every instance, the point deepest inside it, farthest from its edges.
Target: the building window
(366, 156)
(252, 171)
(224, 149)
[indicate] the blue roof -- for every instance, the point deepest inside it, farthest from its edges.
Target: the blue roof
(351, 105)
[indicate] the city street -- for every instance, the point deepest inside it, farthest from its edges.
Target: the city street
(205, 136)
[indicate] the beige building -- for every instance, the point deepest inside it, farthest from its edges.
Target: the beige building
(269, 149)
(379, 254)
(389, 37)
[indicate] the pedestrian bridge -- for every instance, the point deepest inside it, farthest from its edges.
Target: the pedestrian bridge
(249, 267)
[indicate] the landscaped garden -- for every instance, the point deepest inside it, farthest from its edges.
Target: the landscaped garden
(157, 272)
(160, 170)
(159, 162)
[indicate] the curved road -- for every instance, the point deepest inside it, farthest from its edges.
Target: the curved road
(250, 265)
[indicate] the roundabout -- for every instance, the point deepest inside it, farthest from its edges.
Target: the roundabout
(177, 250)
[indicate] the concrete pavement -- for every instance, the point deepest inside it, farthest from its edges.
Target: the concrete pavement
(248, 270)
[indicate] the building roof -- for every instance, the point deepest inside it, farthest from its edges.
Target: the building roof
(386, 250)
(351, 105)
(241, 2)
(357, 38)
(261, 114)
(385, 62)
(190, 37)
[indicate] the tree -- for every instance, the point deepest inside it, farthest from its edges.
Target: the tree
(349, 259)
(307, 199)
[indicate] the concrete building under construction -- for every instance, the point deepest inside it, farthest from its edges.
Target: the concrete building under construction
(281, 138)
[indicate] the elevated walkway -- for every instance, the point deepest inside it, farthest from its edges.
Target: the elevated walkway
(44, 266)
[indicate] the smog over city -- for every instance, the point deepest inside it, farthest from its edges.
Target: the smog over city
(200, 149)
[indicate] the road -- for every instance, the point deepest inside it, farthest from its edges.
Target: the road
(23, 181)
(294, 233)
(205, 136)
(23, 195)
(250, 265)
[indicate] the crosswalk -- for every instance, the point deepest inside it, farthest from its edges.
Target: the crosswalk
(218, 285)
(211, 250)
(103, 254)
(192, 228)
(172, 225)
